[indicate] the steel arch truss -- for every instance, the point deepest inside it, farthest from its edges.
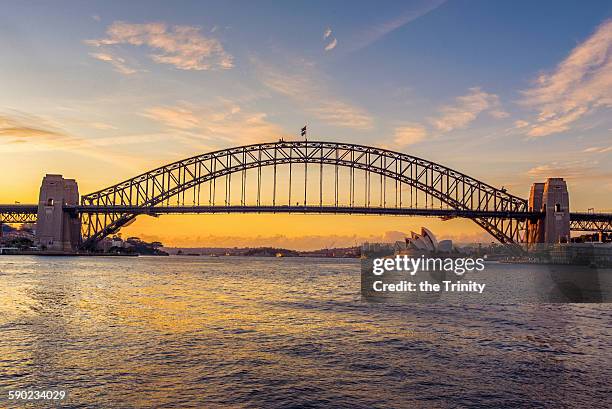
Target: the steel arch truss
(156, 187)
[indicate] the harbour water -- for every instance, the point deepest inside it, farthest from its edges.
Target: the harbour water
(180, 332)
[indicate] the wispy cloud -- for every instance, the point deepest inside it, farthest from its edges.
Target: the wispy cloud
(306, 87)
(598, 149)
(23, 132)
(331, 45)
(20, 127)
(409, 134)
(343, 114)
(520, 124)
(458, 115)
(184, 47)
(327, 35)
(117, 62)
(178, 117)
(378, 31)
(225, 121)
(579, 169)
(579, 85)
(102, 126)
(466, 109)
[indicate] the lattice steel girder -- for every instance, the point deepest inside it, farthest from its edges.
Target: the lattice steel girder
(18, 213)
(459, 192)
(17, 217)
(591, 225)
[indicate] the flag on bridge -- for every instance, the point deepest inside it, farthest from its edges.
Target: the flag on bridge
(304, 131)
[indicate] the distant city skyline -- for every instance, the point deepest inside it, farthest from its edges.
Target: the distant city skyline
(509, 93)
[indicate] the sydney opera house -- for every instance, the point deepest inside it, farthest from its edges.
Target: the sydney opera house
(426, 242)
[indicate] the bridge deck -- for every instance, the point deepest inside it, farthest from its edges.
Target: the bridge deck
(26, 213)
(450, 213)
(18, 208)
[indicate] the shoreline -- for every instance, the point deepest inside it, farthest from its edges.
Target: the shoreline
(65, 254)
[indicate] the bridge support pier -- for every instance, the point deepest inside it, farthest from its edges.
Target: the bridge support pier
(57, 230)
(551, 198)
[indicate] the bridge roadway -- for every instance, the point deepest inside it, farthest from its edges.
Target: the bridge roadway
(447, 213)
(26, 213)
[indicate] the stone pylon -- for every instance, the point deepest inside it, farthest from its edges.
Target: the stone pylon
(56, 229)
(552, 199)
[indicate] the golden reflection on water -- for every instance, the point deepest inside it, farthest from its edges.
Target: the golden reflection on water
(132, 311)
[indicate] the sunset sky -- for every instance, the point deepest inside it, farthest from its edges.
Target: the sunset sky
(507, 92)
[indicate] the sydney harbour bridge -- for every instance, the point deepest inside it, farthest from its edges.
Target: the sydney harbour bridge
(301, 177)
